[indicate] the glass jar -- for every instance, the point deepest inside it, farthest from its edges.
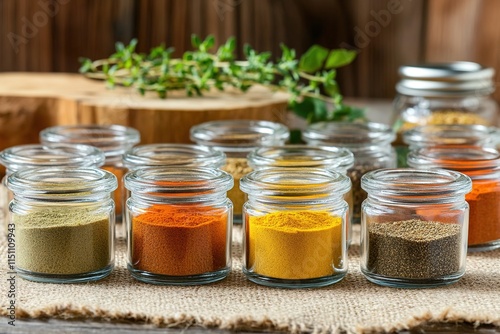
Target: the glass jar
(414, 227)
(62, 220)
(369, 142)
(179, 224)
(113, 140)
(236, 138)
(294, 227)
(447, 93)
(54, 155)
(482, 165)
(170, 155)
(451, 134)
(303, 156)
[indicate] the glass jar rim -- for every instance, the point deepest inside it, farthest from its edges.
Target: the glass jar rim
(185, 155)
(51, 155)
(113, 139)
(295, 156)
(63, 184)
(408, 183)
(174, 181)
(449, 134)
(349, 134)
(295, 182)
(456, 157)
(239, 135)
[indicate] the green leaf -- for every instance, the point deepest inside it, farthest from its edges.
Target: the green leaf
(340, 57)
(313, 59)
(86, 65)
(195, 41)
(312, 109)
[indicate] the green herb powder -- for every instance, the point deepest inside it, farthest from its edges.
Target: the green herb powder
(62, 241)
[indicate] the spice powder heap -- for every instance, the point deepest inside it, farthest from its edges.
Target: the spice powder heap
(62, 241)
(294, 244)
(180, 240)
(414, 249)
(484, 215)
(237, 167)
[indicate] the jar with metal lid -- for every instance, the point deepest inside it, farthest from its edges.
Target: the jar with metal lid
(451, 134)
(369, 142)
(304, 156)
(414, 227)
(62, 221)
(236, 138)
(446, 93)
(179, 223)
(482, 165)
(53, 155)
(294, 227)
(113, 140)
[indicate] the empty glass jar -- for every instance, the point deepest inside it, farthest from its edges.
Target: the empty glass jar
(369, 142)
(179, 223)
(113, 140)
(414, 227)
(294, 227)
(63, 223)
(236, 138)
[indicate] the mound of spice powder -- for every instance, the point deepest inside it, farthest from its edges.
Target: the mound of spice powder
(484, 215)
(62, 241)
(180, 240)
(294, 244)
(414, 249)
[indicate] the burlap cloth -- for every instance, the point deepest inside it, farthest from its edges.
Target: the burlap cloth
(353, 305)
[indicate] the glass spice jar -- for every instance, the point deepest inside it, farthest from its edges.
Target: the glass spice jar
(62, 220)
(179, 224)
(369, 142)
(304, 156)
(171, 155)
(236, 138)
(113, 140)
(451, 134)
(53, 155)
(414, 227)
(294, 227)
(482, 165)
(443, 93)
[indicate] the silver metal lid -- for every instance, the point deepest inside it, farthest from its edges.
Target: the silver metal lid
(446, 79)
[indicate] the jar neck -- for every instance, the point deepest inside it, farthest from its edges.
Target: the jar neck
(215, 199)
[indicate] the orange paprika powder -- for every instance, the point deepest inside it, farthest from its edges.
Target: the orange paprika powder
(484, 214)
(180, 240)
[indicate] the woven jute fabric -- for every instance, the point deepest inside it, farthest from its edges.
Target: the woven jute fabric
(353, 305)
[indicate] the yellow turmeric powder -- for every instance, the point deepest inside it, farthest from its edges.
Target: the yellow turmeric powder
(294, 244)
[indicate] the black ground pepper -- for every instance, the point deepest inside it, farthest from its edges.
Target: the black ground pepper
(414, 249)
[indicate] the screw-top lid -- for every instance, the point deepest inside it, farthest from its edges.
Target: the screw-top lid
(445, 79)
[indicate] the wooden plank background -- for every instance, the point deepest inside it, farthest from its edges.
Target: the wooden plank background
(415, 31)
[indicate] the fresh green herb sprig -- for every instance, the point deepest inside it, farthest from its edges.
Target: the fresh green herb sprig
(309, 80)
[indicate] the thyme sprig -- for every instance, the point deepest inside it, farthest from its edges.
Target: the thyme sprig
(309, 80)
